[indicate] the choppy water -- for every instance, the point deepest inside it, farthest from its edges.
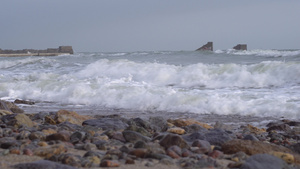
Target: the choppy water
(224, 82)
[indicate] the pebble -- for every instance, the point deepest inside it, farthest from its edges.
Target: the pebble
(112, 141)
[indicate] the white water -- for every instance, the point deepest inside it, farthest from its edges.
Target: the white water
(225, 82)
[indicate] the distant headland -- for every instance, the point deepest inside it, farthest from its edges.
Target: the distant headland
(33, 52)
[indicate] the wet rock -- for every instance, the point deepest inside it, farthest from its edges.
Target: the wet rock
(107, 123)
(77, 136)
(28, 152)
(263, 161)
(42, 164)
(158, 124)
(138, 129)
(9, 106)
(194, 136)
(279, 127)
(132, 136)
(171, 140)
(203, 145)
(255, 130)
(172, 153)
(194, 128)
(72, 117)
(17, 120)
(18, 101)
(217, 137)
(140, 123)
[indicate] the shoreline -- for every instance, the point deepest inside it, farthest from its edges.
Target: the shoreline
(67, 139)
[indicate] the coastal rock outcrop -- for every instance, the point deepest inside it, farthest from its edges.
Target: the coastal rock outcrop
(208, 46)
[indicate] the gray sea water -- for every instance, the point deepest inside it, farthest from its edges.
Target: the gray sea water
(253, 84)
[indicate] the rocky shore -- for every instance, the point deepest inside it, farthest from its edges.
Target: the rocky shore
(68, 140)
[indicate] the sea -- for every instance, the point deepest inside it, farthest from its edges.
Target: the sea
(230, 86)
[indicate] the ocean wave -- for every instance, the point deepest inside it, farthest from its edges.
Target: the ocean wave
(260, 52)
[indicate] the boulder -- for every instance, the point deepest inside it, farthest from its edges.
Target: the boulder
(17, 120)
(72, 117)
(187, 122)
(132, 136)
(173, 139)
(9, 106)
(207, 46)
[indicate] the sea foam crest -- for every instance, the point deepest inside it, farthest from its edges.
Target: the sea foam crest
(261, 52)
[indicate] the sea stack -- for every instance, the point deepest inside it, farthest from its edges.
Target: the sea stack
(208, 46)
(240, 47)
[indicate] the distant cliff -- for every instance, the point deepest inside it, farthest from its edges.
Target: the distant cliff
(33, 52)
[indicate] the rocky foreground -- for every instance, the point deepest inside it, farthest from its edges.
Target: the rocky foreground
(67, 140)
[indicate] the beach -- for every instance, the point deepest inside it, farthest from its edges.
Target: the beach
(66, 139)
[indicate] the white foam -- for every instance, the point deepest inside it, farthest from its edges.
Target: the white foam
(269, 88)
(261, 52)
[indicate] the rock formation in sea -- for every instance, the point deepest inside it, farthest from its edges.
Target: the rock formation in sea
(208, 46)
(240, 47)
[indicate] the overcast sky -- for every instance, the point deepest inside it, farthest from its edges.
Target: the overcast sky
(149, 25)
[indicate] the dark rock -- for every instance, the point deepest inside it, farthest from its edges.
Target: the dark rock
(171, 140)
(194, 136)
(279, 127)
(250, 137)
(194, 128)
(106, 123)
(101, 144)
(140, 123)
(157, 156)
(69, 126)
(203, 145)
(158, 124)
(23, 135)
(8, 142)
(9, 106)
(140, 144)
(38, 135)
(132, 136)
(93, 153)
(17, 120)
(45, 164)
(240, 47)
(217, 137)
(118, 136)
(70, 159)
(208, 46)
(17, 101)
(138, 129)
(62, 136)
(77, 137)
(263, 161)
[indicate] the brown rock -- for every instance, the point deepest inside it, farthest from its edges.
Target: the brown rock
(172, 139)
(72, 117)
(9, 106)
(5, 112)
(176, 130)
(109, 163)
(28, 152)
(172, 154)
(47, 152)
(187, 122)
(14, 151)
(139, 152)
(49, 131)
(251, 147)
(62, 136)
(255, 129)
(17, 120)
(216, 154)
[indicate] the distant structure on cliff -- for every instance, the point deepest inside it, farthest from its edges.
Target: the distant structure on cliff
(33, 52)
(240, 47)
(208, 46)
